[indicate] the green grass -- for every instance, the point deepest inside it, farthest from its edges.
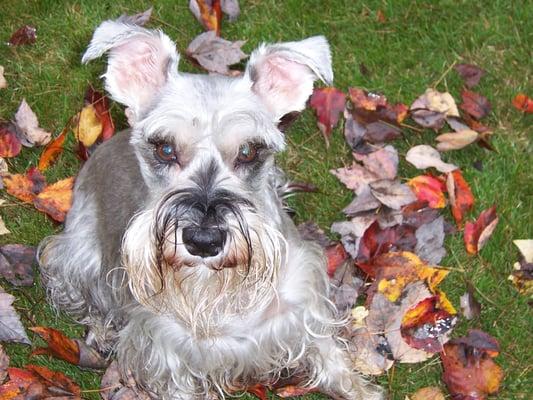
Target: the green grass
(405, 55)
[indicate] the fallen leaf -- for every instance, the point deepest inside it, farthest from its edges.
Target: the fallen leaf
(428, 119)
(56, 199)
(345, 287)
(382, 162)
(55, 379)
(27, 121)
(461, 197)
(355, 177)
(430, 241)
(140, 19)
(521, 102)
(3, 82)
(3, 227)
(380, 132)
(214, 53)
(293, 391)
(25, 35)
(372, 354)
(311, 231)
(11, 329)
(231, 9)
(526, 249)
(380, 17)
(53, 149)
(100, 102)
(25, 186)
(431, 109)
(424, 156)
(428, 393)
(470, 307)
(471, 74)
(475, 104)
(73, 351)
(522, 276)
(328, 103)
(89, 126)
(393, 194)
(9, 142)
(377, 241)
(352, 231)
(364, 201)
(113, 387)
(469, 371)
(477, 233)
(208, 13)
(4, 363)
(336, 256)
(456, 141)
(259, 391)
(16, 262)
(418, 213)
(430, 189)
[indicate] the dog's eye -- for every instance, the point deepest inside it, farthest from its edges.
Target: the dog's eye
(166, 153)
(247, 153)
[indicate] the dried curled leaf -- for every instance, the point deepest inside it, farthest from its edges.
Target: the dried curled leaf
(461, 197)
(53, 150)
(11, 329)
(26, 34)
(31, 134)
(25, 186)
(55, 200)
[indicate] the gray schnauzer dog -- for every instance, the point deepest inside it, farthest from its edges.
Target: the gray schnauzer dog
(177, 252)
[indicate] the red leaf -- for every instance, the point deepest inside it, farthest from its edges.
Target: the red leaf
(477, 233)
(55, 200)
(475, 104)
(293, 391)
(377, 241)
(25, 186)
(100, 102)
(461, 197)
(59, 345)
(469, 371)
(430, 189)
(523, 103)
(55, 379)
(53, 149)
(336, 256)
(328, 103)
(9, 142)
(24, 35)
(210, 14)
(259, 391)
(471, 74)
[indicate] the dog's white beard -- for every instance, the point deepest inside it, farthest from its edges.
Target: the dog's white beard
(205, 300)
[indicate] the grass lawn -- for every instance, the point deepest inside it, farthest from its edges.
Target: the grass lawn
(410, 51)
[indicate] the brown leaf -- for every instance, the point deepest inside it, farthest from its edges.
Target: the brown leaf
(214, 53)
(27, 34)
(336, 256)
(475, 104)
(355, 177)
(53, 149)
(456, 141)
(328, 103)
(380, 132)
(25, 187)
(377, 241)
(114, 388)
(55, 200)
(461, 197)
(391, 193)
(469, 371)
(431, 109)
(364, 201)
(4, 363)
(9, 142)
(59, 345)
(424, 156)
(208, 13)
(16, 262)
(140, 19)
(31, 134)
(428, 393)
(430, 241)
(523, 103)
(471, 74)
(380, 17)
(311, 231)
(231, 9)
(55, 379)
(477, 233)
(470, 307)
(383, 162)
(11, 329)
(100, 102)
(293, 391)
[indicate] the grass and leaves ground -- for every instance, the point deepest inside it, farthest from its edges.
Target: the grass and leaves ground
(411, 50)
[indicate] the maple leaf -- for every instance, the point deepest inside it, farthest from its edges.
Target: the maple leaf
(53, 149)
(424, 156)
(208, 13)
(328, 103)
(10, 145)
(25, 186)
(140, 19)
(26, 34)
(3, 82)
(461, 197)
(521, 102)
(11, 329)
(430, 189)
(16, 262)
(56, 199)
(100, 102)
(471, 74)
(469, 371)
(475, 104)
(31, 134)
(477, 233)
(214, 53)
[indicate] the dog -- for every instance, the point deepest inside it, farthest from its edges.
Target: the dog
(177, 253)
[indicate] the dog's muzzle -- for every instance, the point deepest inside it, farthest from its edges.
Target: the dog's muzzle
(204, 241)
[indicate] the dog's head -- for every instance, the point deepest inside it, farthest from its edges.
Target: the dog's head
(205, 146)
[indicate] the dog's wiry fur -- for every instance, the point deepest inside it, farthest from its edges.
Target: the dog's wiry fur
(190, 326)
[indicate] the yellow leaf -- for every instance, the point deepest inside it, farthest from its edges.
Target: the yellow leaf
(89, 126)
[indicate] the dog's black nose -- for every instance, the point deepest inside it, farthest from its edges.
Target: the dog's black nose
(203, 242)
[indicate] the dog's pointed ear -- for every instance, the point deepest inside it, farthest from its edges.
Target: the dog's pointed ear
(140, 62)
(282, 74)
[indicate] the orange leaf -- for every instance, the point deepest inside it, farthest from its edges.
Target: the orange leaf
(328, 103)
(59, 345)
(25, 186)
(461, 197)
(336, 256)
(477, 233)
(293, 391)
(19, 380)
(53, 149)
(211, 14)
(469, 371)
(523, 103)
(55, 379)
(475, 104)
(259, 391)
(55, 200)
(430, 189)
(9, 143)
